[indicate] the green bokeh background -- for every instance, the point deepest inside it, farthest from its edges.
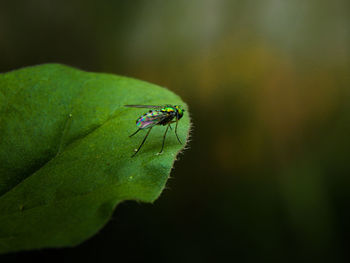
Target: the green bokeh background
(266, 177)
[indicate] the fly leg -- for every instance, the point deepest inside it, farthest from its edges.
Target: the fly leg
(176, 131)
(144, 139)
(161, 150)
(135, 133)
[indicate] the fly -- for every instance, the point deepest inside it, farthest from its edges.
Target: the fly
(157, 115)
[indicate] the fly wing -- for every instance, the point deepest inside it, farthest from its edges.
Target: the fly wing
(145, 106)
(150, 119)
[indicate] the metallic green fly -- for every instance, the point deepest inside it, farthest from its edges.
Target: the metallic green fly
(158, 115)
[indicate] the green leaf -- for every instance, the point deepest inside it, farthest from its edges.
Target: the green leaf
(65, 154)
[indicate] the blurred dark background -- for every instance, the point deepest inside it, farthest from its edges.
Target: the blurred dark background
(266, 177)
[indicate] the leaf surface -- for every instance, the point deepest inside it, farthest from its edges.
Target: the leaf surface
(65, 154)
